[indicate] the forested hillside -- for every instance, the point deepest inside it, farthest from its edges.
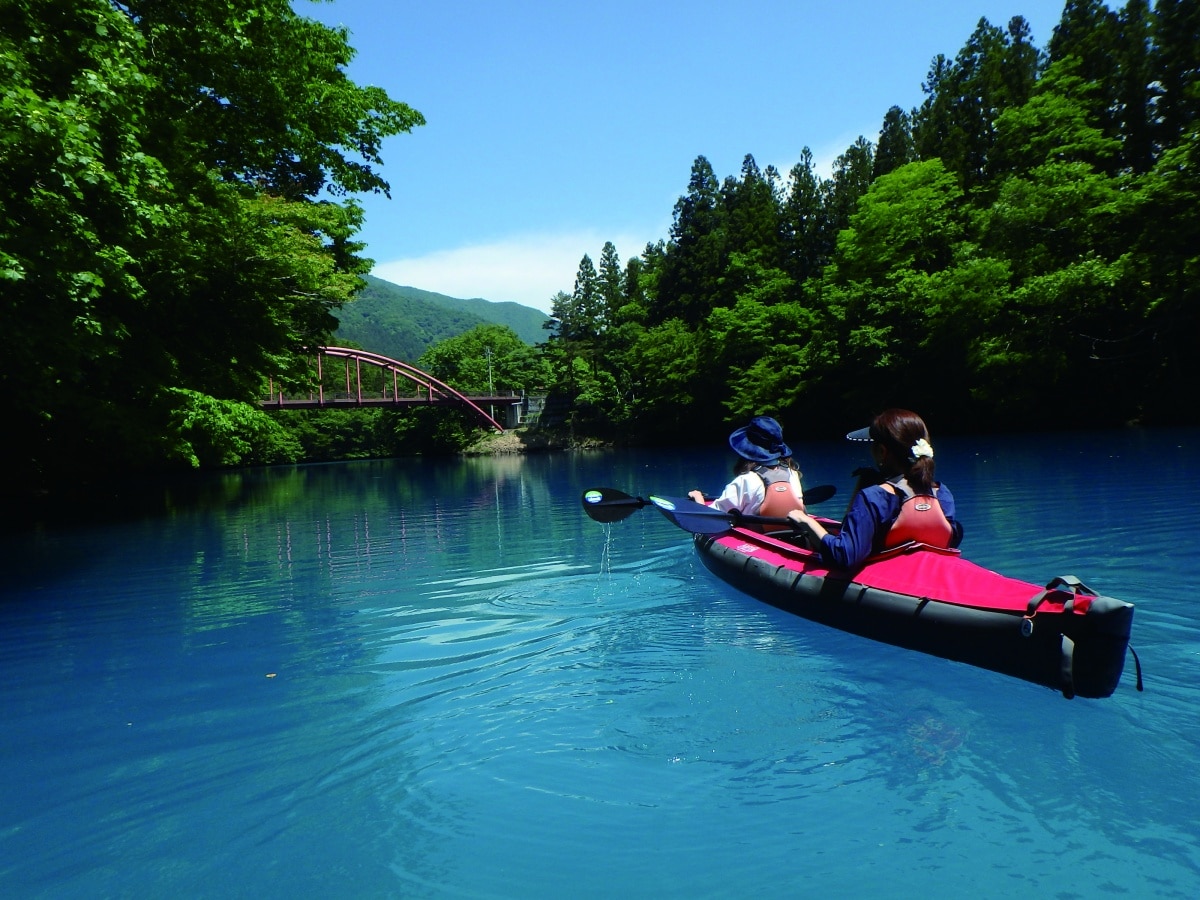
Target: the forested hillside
(1022, 251)
(404, 322)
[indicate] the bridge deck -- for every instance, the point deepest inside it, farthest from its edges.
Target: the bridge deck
(282, 402)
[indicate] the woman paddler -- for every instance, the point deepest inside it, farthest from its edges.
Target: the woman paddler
(895, 503)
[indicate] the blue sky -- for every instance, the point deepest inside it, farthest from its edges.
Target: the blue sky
(553, 127)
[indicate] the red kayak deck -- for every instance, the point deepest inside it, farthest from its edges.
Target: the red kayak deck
(919, 572)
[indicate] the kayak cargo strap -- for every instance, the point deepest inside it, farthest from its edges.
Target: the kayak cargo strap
(1074, 587)
(1070, 582)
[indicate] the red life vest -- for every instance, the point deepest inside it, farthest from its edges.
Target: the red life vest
(921, 518)
(781, 495)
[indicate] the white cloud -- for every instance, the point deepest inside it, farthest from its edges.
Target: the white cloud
(528, 269)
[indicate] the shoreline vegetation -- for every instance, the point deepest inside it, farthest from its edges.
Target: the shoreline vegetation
(1019, 252)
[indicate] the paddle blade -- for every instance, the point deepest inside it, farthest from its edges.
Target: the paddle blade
(818, 494)
(609, 505)
(692, 516)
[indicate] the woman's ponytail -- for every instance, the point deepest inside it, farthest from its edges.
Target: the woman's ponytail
(904, 433)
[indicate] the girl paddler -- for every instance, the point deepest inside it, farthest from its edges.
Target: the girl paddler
(766, 481)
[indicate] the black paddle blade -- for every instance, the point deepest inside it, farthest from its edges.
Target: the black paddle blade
(609, 505)
(818, 494)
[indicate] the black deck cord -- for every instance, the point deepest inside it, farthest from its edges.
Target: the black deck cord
(1138, 665)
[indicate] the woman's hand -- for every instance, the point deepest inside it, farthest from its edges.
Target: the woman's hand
(696, 495)
(807, 524)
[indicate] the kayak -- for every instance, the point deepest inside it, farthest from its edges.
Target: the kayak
(1062, 635)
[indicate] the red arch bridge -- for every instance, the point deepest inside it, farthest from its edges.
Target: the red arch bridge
(375, 380)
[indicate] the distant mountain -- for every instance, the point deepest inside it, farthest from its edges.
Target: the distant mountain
(402, 322)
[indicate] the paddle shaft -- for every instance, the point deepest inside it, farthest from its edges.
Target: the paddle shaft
(608, 505)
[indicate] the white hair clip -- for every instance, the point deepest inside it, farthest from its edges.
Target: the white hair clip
(921, 448)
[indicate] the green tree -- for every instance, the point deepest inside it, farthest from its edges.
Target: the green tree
(806, 235)
(588, 302)
(1175, 69)
(1134, 87)
(754, 232)
(753, 213)
(485, 359)
(898, 326)
(771, 359)
(995, 69)
(1168, 270)
(611, 284)
(895, 147)
(693, 260)
(664, 396)
(1058, 124)
(163, 237)
(851, 178)
(577, 317)
(1090, 37)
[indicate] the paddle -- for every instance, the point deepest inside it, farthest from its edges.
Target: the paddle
(700, 519)
(610, 505)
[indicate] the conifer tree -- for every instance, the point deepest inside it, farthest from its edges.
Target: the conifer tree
(587, 301)
(805, 233)
(895, 147)
(1175, 69)
(993, 71)
(693, 261)
(851, 178)
(611, 284)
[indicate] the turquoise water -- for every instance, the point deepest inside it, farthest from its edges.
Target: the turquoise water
(441, 679)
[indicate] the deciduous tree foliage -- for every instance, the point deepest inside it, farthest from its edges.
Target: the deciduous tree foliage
(1018, 252)
(168, 233)
(485, 359)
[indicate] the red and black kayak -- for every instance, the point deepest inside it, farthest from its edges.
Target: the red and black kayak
(1062, 635)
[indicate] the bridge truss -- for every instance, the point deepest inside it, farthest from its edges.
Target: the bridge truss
(384, 377)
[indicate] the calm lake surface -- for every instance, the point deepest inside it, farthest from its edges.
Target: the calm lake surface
(441, 679)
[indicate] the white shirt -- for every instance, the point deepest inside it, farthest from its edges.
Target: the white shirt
(747, 492)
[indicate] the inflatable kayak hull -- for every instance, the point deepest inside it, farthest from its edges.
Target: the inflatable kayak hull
(1062, 636)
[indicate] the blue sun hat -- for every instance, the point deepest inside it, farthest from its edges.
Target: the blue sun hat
(761, 441)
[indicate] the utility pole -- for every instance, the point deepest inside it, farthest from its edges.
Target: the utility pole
(491, 387)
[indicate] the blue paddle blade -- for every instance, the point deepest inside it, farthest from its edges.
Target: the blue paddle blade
(610, 505)
(692, 516)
